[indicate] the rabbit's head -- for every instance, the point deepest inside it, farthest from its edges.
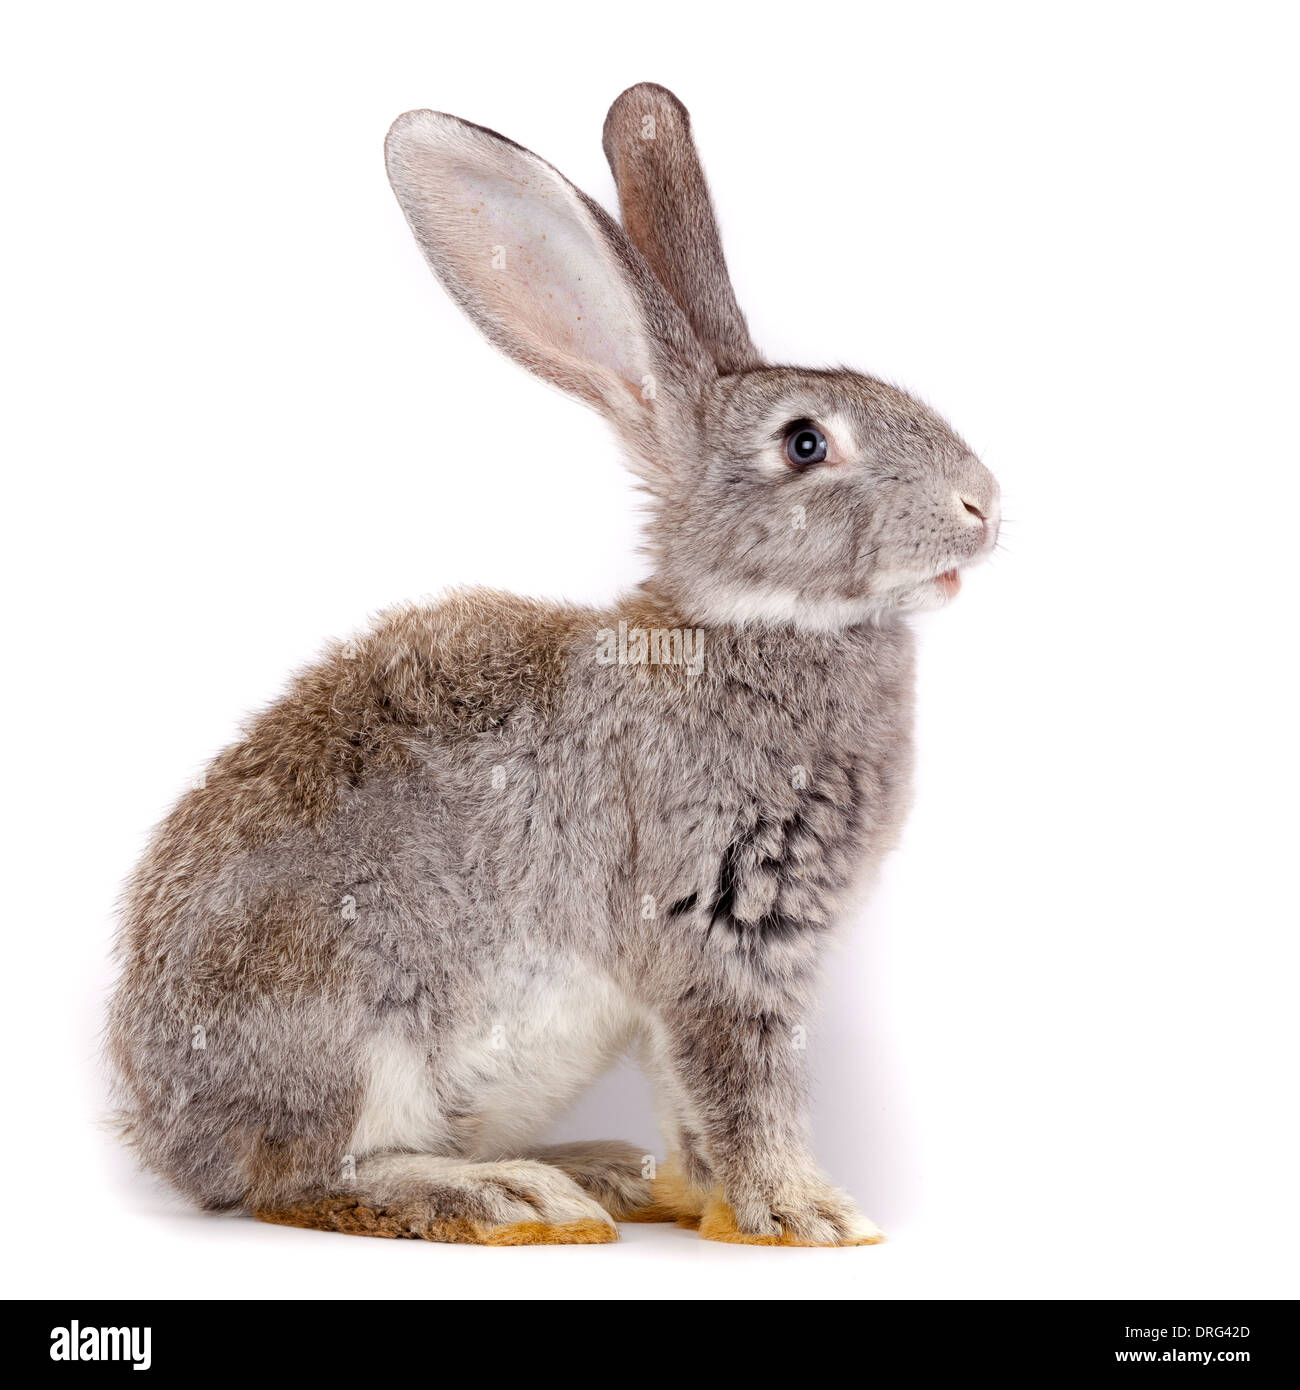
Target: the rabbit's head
(820, 499)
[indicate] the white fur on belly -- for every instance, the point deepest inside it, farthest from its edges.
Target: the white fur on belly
(548, 1030)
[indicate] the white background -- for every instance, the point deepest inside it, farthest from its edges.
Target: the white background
(1058, 1050)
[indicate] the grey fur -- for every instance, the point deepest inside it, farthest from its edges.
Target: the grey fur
(471, 809)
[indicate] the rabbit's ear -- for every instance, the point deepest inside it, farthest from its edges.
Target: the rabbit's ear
(669, 216)
(546, 274)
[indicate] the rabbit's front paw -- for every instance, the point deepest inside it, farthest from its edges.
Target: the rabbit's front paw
(813, 1214)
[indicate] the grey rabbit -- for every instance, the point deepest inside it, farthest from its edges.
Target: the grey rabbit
(477, 853)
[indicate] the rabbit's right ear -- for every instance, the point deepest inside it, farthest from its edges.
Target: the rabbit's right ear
(548, 276)
(669, 216)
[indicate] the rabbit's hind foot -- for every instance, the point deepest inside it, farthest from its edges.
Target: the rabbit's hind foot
(611, 1172)
(422, 1197)
(672, 1197)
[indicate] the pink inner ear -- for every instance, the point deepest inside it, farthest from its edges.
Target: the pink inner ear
(524, 246)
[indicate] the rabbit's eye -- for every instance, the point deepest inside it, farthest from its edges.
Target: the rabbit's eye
(805, 444)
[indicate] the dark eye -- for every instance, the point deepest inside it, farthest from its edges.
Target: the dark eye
(805, 445)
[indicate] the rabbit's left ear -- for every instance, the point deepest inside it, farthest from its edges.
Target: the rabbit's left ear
(549, 277)
(669, 216)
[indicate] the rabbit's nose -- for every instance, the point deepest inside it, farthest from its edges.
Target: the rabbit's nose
(980, 508)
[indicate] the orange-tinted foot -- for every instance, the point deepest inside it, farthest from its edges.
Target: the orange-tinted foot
(719, 1223)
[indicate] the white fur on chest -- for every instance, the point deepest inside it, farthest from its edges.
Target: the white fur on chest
(544, 1030)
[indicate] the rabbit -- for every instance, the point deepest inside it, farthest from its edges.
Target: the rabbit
(490, 845)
